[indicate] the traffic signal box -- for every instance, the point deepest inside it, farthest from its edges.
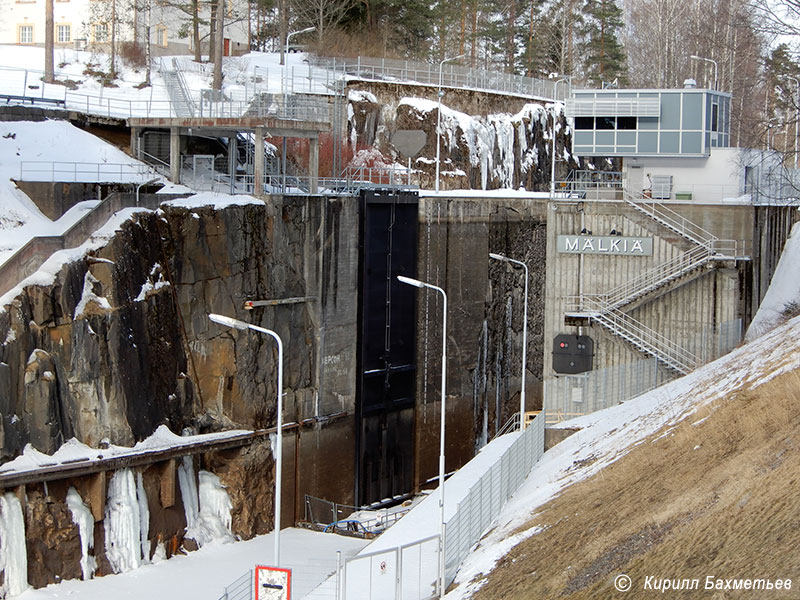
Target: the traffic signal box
(572, 354)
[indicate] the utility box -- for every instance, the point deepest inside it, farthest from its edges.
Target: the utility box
(572, 354)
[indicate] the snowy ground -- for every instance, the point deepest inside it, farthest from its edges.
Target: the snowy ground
(203, 575)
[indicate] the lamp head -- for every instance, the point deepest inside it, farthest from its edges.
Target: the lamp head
(409, 281)
(228, 321)
(497, 256)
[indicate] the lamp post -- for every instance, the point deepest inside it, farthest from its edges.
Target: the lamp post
(712, 61)
(422, 284)
(293, 33)
(553, 157)
(141, 185)
(439, 115)
(796, 115)
(237, 324)
(524, 333)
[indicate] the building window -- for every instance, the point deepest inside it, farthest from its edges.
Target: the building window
(100, 33)
(26, 34)
(584, 122)
(714, 116)
(605, 123)
(626, 122)
(161, 36)
(63, 34)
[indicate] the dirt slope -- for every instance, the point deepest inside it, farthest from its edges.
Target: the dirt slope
(716, 495)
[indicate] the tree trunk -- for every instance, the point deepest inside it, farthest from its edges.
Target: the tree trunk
(147, 50)
(198, 55)
(49, 70)
(220, 43)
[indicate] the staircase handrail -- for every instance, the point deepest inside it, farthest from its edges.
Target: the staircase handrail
(646, 339)
(184, 88)
(675, 221)
(655, 277)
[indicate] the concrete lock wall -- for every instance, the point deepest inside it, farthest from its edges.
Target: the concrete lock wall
(694, 311)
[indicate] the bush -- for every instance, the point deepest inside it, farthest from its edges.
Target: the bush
(132, 55)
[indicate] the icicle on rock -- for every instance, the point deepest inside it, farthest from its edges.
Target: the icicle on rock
(123, 523)
(82, 517)
(188, 487)
(13, 555)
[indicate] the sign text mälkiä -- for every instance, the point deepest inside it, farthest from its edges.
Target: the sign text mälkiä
(590, 244)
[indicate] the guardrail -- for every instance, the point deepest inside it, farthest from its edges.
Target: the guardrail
(80, 172)
(488, 495)
(456, 76)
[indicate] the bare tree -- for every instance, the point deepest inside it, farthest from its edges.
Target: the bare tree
(320, 14)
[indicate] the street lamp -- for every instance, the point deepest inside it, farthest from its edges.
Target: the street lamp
(796, 115)
(524, 333)
(141, 185)
(439, 115)
(712, 61)
(553, 157)
(236, 324)
(285, 48)
(422, 284)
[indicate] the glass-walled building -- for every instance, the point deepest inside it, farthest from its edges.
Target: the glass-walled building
(684, 122)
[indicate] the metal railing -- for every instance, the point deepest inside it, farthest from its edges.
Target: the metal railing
(80, 172)
(654, 278)
(452, 76)
(108, 102)
(488, 495)
(241, 589)
(670, 219)
(639, 335)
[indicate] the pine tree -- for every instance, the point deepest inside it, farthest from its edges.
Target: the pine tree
(604, 58)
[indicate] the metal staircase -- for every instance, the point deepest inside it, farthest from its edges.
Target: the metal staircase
(605, 308)
(640, 336)
(179, 95)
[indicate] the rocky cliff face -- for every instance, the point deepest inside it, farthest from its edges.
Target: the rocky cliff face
(488, 141)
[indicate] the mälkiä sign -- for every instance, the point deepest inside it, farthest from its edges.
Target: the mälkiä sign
(590, 244)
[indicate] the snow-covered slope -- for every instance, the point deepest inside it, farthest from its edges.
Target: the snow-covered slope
(606, 435)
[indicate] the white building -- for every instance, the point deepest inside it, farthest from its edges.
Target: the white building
(87, 24)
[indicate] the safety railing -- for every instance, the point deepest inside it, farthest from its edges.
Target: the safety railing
(639, 335)
(452, 76)
(488, 495)
(654, 278)
(80, 172)
(670, 219)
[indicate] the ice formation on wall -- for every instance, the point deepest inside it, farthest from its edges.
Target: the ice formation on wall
(13, 556)
(123, 522)
(207, 506)
(82, 517)
(501, 136)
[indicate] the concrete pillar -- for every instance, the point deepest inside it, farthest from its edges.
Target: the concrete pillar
(175, 154)
(97, 495)
(167, 478)
(135, 142)
(232, 160)
(313, 164)
(258, 163)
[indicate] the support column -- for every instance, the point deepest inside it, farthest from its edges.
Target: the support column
(232, 160)
(97, 495)
(167, 479)
(258, 163)
(313, 163)
(135, 142)
(175, 154)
